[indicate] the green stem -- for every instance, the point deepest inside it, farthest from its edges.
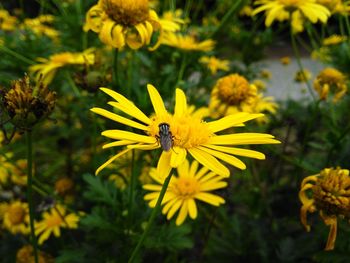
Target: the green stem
(131, 187)
(226, 17)
(115, 68)
(182, 69)
(72, 84)
(30, 192)
(17, 55)
(297, 55)
(151, 219)
(347, 23)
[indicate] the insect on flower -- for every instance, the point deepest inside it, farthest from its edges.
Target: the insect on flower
(165, 137)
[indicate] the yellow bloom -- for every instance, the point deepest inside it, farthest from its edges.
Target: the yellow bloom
(214, 64)
(7, 22)
(336, 6)
(330, 195)
(64, 186)
(171, 20)
(16, 217)
(187, 42)
(233, 93)
(25, 255)
(285, 60)
(123, 22)
(53, 221)
(246, 10)
(46, 70)
(334, 40)
(190, 185)
(182, 131)
(331, 80)
(303, 76)
(295, 10)
(41, 26)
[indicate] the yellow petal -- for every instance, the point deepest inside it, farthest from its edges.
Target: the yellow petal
(210, 198)
(143, 147)
(209, 161)
(174, 208)
(178, 156)
(163, 167)
(157, 101)
(152, 187)
(243, 138)
(99, 169)
(237, 151)
(120, 119)
(182, 214)
(210, 186)
(130, 136)
(169, 205)
(225, 157)
(231, 120)
(117, 143)
(192, 208)
(180, 103)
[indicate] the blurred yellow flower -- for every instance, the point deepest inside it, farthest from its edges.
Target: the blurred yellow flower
(214, 64)
(330, 195)
(26, 255)
(16, 217)
(53, 221)
(182, 131)
(190, 185)
(233, 93)
(334, 40)
(246, 10)
(336, 6)
(187, 42)
(331, 80)
(41, 26)
(123, 22)
(7, 22)
(46, 70)
(64, 186)
(295, 10)
(265, 74)
(172, 21)
(285, 60)
(303, 76)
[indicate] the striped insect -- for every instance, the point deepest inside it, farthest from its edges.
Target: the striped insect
(165, 137)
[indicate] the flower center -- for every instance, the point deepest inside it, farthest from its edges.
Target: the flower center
(233, 89)
(16, 214)
(54, 221)
(332, 193)
(186, 187)
(126, 12)
(186, 131)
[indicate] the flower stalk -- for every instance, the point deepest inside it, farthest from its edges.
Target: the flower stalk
(151, 219)
(30, 193)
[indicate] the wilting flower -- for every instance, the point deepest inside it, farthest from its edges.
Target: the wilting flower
(330, 80)
(27, 104)
(16, 217)
(233, 93)
(53, 221)
(303, 76)
(7, 22)
(187, 42)
(295, 10)
(41, 26)
(26, 255)
(214, 64)
(46, 70)
(334, 40)
(330, 195)
(190, 185)
(123, 22)
(182, 131)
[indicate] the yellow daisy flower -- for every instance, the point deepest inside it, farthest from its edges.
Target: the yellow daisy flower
(334, 40)
(16, 217)
(187, 42)
(123, 22)
(329, 195)
(7, 22)
(46, 70)
(53, 221)
(26, 255)
(171, 21)
(190, 185)
(331, 80)
(180, 133)
(233, 93)
(336, 6)
(295, 10)
(303, 76)
(214, 64)
(285, 60)
(41, 26)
